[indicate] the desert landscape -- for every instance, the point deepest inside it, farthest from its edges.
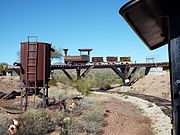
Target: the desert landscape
(106, 112)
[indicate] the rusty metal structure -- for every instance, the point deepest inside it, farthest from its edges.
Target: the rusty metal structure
(97, 59)
(35, 68)
(81, 59)
(125, 59)
(112, 59)
(156, 22)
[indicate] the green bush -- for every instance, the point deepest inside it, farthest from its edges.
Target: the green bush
(72, 127)
(3, 126)
(3, 67)
(36, 123)
(82, 86)
(93, 120)
(52, 81)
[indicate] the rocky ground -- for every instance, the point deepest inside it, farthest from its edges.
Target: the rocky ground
(126, 115)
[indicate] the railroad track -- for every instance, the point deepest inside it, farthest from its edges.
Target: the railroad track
(165, 105)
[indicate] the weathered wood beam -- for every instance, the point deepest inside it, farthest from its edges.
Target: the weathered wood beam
(67, 74)
(87, 71)
(78, 70)
(118, 72)
(147, 70)
(134, 71)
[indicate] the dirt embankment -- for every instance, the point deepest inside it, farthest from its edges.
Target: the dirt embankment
(9, 83)
(154, 85)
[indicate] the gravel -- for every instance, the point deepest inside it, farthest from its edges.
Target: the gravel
(160, 123)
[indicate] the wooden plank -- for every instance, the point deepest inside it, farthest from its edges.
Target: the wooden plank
(67, 74)
(134, 71)
(118, 72)
(87, 71)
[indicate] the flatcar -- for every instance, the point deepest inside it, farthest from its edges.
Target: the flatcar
(81, 59)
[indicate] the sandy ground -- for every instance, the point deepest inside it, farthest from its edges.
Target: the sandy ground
(9, 83)
(160, 123)
(125, 119)
(154, 85)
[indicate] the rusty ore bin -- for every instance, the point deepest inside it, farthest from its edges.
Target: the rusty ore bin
(97, 59)
(35, 63)
(111, 59)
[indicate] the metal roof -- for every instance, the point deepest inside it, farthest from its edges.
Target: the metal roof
(148, 18)
(85, 49)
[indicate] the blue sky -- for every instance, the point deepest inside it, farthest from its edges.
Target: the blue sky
(71, 24)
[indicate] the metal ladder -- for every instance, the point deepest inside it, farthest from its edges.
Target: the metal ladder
(31, 63)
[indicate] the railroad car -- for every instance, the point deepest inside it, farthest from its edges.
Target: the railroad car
(125, 59)
(81, 59)
(97, 60)
(111, 59)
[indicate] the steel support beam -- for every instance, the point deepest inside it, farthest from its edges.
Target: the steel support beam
(174, 60)
(67, 74)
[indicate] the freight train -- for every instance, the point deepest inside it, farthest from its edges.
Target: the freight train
(84, 58)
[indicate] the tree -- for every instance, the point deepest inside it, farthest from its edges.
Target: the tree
(57, 54)
(3, 67)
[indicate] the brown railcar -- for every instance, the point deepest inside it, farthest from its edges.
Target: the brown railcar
(97, 59)
(111, 59)
(125, 59)
(35, 63)
(82, 59)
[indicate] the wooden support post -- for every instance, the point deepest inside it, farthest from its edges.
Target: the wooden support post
(47, 100)
(44, 98)
(147, 70)
(125, 71)
(26, 99)
(67, 74)
(174, 60)
(131, 75)
(87, 71)
(78, 70)
(21, 99)
(118, 72)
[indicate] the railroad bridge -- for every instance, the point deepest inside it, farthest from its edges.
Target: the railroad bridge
(122, 70)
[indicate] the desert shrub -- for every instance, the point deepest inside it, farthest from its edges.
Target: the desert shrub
(52, 81)
(72, 127)
(93, 120)
(103, 78)
(3, 67)
(82, 86)
(36, 123)
(3, 127)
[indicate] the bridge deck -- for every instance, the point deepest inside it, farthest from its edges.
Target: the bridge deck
(151, 65)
